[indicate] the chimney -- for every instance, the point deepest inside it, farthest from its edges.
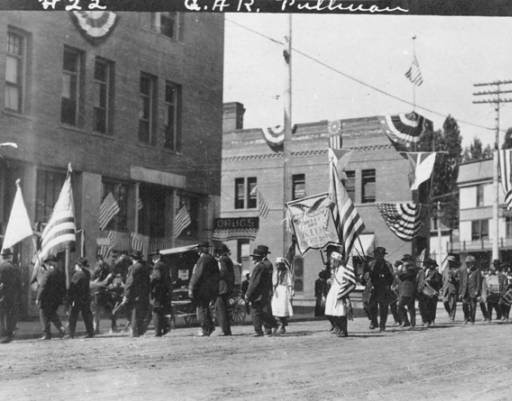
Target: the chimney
(233, 116)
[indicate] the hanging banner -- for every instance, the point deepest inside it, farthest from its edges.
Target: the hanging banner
(312, 222)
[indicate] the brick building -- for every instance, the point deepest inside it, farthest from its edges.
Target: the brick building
(137, 112)
(376, 173)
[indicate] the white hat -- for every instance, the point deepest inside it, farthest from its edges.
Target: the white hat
(280, 260)
(336, 256)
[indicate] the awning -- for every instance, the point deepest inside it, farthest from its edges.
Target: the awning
(364, 245)
(180, 249)
(229, 234)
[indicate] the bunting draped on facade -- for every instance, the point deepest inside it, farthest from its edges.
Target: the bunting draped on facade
(402, 218)
(95, 26)
(505, 162)
(406, 129)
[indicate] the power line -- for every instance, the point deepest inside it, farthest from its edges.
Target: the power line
(352, 78)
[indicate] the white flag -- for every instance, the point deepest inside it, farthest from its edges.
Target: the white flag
(18, 227)
(423, 165)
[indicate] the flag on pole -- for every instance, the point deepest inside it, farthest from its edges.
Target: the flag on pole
(140, 205)
(346, 218)
(402, 218)
(505, 162)
(181, 221)
(18, 226)
(108, 209)
(341, 159)
(421, 166)
(414, 73)
(263, 207)
(60, 230)
(137, 242)
(346, 280)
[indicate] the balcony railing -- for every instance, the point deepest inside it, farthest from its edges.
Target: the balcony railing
(479, 245)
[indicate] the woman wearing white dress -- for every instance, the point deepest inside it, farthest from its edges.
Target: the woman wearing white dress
(282, 281)
(337, 309)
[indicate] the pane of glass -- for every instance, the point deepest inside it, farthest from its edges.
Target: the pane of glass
(14, 44)
(145, 85)
(145, 108)
(102, 95)
(143, 131)
(170, 93)
(67, 89)
(68, 111)
(100, 71)
(99, 120)
(11, 70)
(70, 61)
(12, 97)
(167, 25)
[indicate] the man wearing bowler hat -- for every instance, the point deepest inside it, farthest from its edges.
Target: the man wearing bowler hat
(381, 277)
(259, 293)
(10, 296)
(79, 295)
(204, 287)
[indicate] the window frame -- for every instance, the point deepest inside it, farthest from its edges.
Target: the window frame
(479, 234)
(351, 179)
(252, 198)
(173, 142)
(177, 18)
(108, 85)
(480, 195)
(298, 179)
(78, 74)
(152, 98)
(21, 69)
(239, 201)
(365, 180)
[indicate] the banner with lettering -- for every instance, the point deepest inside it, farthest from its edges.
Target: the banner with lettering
(312, 221)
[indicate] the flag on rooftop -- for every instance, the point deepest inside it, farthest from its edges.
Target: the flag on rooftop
(181, 221)
(402, 218)
(421, 166)
(505, 163)
(414, 72)
(108, 209)
(60, 230)
(347, 221)
(18, 227)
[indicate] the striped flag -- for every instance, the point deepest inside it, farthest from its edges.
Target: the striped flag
(405, 130)
(334, 130)
(108, 209)
(346, 278)
(346, 218)
(136, 242)
(181, 221)
(505, 162)
(140, 205)
(414, 72)
(402, 218)
(263, 207)
(105, 250)
(60, 230)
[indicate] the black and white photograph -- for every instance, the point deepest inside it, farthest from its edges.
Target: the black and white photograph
(252, 200)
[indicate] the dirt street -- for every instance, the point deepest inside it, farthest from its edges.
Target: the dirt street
(448, 362)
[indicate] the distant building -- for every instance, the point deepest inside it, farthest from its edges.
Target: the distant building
(376, 173)
(476, 225)
(136, 109)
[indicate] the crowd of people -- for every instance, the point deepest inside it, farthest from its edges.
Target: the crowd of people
(142, 292)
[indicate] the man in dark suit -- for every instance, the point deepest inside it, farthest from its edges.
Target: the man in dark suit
(161, 294)
(471, 287)
(451, 283)
(407, 290)
(259, 293)
(226, 286)
(204, 287)
(381, 276)
(79, 295)
(10, 296)
(136, 294)
(50, 295)
(429, 277)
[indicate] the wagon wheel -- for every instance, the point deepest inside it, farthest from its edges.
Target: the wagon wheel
(239, 313)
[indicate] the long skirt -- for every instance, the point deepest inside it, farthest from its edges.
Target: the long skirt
(281, 303)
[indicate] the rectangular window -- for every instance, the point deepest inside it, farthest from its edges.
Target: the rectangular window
(103, 85)
(479, 230)
(508, 226)
(252, 196)
(368, 186)
(147, 93)
(120, 192)
(168, 24)
(350, 184)
(15, 71)
(480, 195)
(173, 116)
(298, 186)
(239, 193)
(48, 186)
(71, 86)
(153, 216)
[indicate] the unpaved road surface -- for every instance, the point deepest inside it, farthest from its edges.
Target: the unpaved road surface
(448, 362)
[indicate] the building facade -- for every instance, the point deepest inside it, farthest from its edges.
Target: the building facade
(137, 112)
(376, 173)
(476, 226)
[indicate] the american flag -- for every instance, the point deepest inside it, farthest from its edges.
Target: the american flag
(405, 129)
(105, 250)
(505, 162)
(140, 205)
(346, 218)
(137, 242)
(346, 279)
(60, 230)
(263, 207)
(181, 221)
(108, 209)
(402, 218)
(414, 72)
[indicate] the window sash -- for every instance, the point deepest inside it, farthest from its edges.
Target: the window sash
(172, 137)
(368, 186)
(70, 86)
(239, 193)
(252, 197)
(147, 92)
(14, 65)
(298, 186)
(102, 96)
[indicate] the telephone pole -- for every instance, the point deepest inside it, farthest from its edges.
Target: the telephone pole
(494, 91)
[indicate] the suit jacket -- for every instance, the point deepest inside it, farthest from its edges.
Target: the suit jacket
(434, 279)
(137, 283)
(471, 285)
(10, 281)
(79, 291)
(451, 282)
(204, 283)
(260, 284)
(407, 286)
(52, 289)
(381, 277)
(161, 286)
(226, 275)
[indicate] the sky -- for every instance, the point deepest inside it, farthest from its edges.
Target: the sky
(453, 54)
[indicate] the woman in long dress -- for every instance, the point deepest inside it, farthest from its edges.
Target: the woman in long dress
(282, 280)
(337, 309)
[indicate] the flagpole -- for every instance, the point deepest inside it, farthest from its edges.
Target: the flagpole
(412, 83)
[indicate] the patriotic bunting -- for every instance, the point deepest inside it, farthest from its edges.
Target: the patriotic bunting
(505, 162)
(402, 218)
(405, 129)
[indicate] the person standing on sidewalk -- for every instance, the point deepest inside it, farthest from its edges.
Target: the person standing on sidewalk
(50, 295)
(79, 296)
(381, 276)
(282, 281)
(204, 287)
(226, 286)
(259, 293)
(10, 296)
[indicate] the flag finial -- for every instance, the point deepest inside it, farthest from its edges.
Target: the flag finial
(18, 182)
(70, 170)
